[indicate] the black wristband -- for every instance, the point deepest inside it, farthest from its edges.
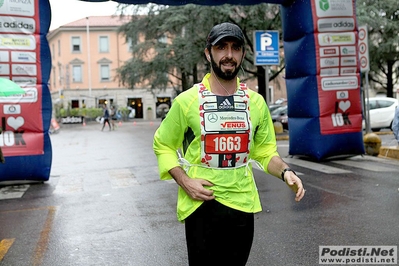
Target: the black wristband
(285, 170)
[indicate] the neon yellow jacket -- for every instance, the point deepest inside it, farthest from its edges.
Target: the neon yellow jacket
(235, 187)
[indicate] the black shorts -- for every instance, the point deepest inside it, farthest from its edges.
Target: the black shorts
(219, 235)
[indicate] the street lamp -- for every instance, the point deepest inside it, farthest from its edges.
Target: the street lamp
(88, 54)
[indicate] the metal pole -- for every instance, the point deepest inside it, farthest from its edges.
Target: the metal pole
(267, 84)
(88, 54)
(367, 105)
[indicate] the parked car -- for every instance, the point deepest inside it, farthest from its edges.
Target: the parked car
(382, 111)
(273, 107)
(280, 115)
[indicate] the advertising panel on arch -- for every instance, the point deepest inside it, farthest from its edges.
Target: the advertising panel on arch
(25, 117)
(323, 78)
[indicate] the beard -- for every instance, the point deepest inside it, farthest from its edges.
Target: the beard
(226, 75)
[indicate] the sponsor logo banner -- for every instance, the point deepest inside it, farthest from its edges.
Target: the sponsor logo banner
(334, 8)
(343, 38)
(336, 24)
(17, 25)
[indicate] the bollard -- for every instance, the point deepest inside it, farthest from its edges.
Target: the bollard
(278, 127)
(372, 144)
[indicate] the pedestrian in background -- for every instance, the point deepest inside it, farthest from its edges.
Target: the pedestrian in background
(106, 117)
(395, 125)
(220, 127)
(113, 116)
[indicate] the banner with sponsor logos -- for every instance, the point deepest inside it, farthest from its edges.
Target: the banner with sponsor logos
(322, 77)
(25, 119)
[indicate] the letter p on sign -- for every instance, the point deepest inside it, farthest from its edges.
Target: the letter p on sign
(265, 40)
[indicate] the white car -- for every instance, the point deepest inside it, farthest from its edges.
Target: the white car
(382, 111)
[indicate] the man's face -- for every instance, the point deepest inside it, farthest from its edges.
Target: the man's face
(226, 58)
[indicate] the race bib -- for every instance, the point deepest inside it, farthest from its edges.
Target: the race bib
(225, 128)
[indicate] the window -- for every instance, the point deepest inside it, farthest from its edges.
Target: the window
(130, 43)
(104, 72)
(60, 74)
(54, 77)
(75, 103)
(77, 73)
(102, 102)
(75, 44)
(384, 104)
(104, 44)
(59, 47)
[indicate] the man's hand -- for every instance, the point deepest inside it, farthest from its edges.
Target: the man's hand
(194, 187)
(295, 183)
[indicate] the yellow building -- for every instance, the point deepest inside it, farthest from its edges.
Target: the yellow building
(85, 55)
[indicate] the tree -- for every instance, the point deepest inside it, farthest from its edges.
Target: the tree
(171, 40)
(382, 20)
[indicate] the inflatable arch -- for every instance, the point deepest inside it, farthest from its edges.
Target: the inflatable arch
(25, 119)
(322, 77)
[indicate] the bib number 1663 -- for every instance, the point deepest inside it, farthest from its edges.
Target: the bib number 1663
(226, 143)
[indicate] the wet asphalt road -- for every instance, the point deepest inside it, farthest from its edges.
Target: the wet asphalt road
(105, 205)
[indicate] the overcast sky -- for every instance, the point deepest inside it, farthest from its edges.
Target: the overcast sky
(65, 11)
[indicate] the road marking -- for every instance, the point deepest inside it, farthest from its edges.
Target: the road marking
(339, 193)
(42, 243)
(71, 184)
(316, 166)
(5, 244)
(366, 166)
(121, 178)
(13, 192)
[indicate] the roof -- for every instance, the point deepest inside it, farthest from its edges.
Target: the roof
(99, 21)
(95, 22)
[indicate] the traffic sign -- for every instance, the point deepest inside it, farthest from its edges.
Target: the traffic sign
(363, 49)
(266, 47)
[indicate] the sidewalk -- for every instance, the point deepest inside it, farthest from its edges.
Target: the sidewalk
(389, 152)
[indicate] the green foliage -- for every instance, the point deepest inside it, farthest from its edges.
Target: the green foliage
(179, 61)
(74, 112)
(62, 113)
(124, 112)
(90, 113)
(382, 20)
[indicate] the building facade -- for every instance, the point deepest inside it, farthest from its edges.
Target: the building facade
(85, 55)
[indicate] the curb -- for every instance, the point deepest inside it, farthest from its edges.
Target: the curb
(391, 152)
(388, 152)
(282, 137)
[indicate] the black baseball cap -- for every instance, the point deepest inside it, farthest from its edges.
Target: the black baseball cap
(224, 30)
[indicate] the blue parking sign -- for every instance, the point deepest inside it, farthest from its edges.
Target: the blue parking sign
(266, 47)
